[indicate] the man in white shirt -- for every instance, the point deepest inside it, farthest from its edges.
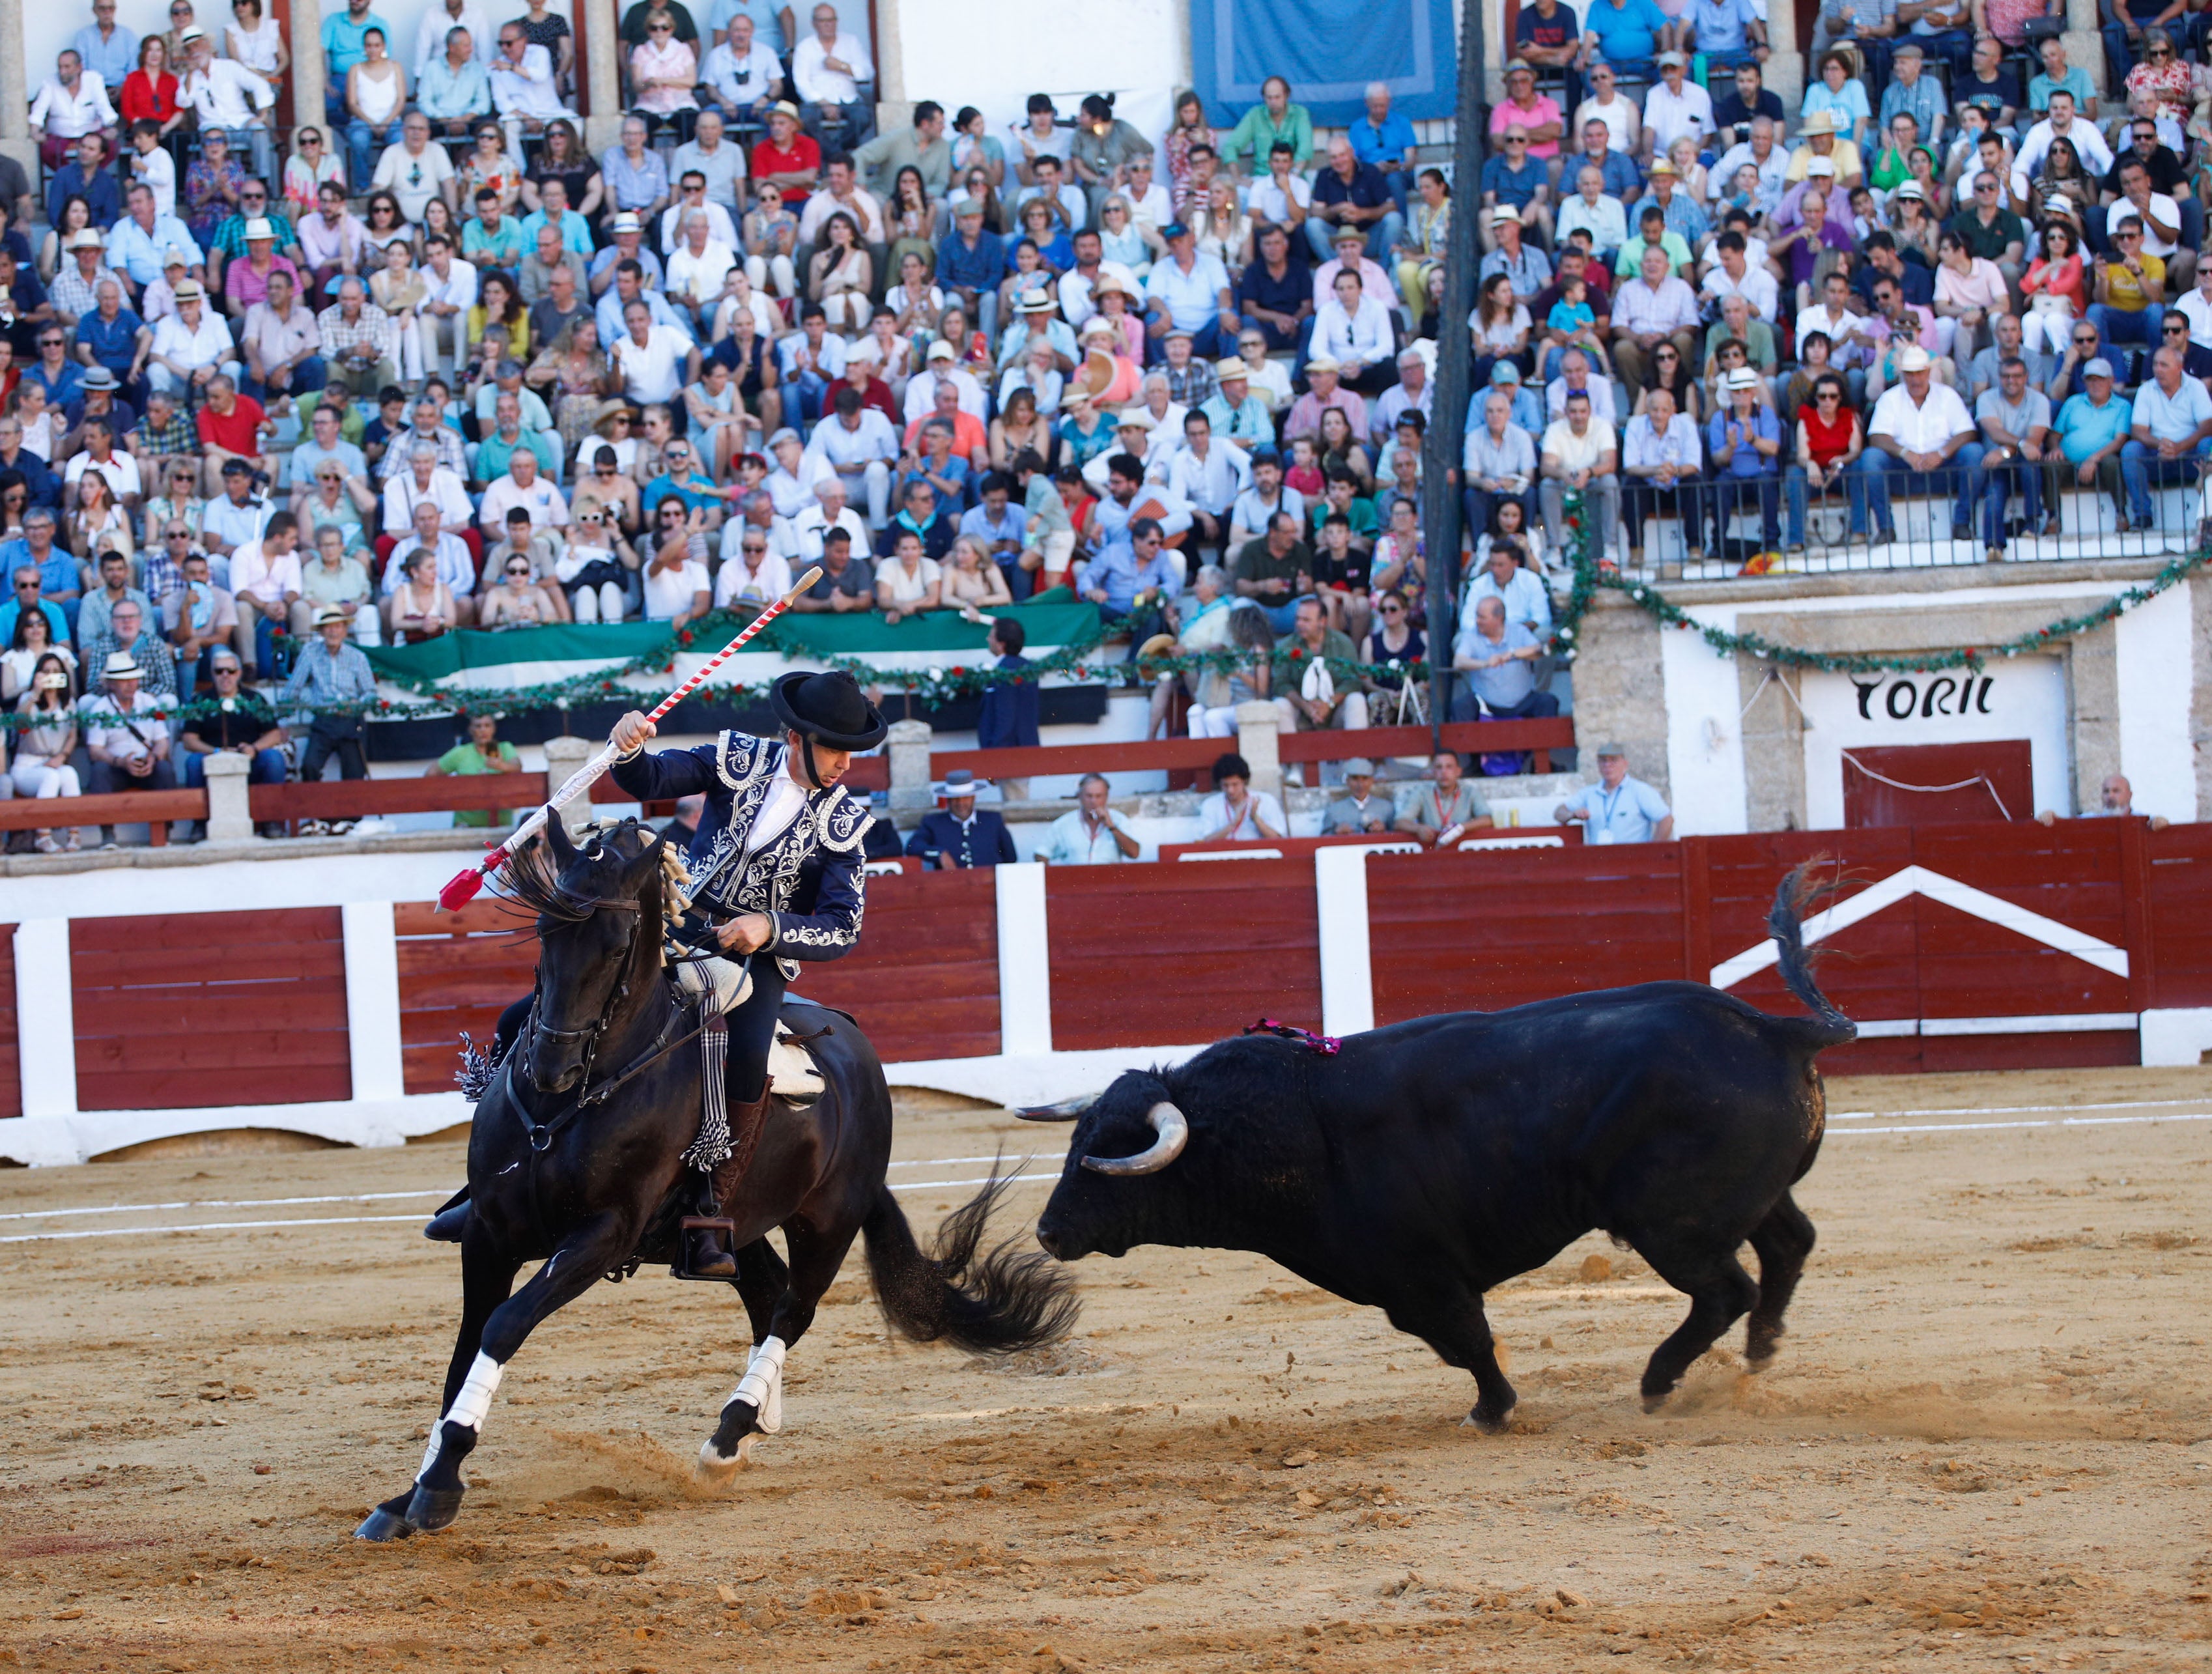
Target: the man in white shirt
(414, 171)
(424, 483)
(825, 511)
(1647, 309)
(943, 366)
(1353, 329)
(451, 286)
(1921, 430)
(72, 103)
(859, 444)
(1761, 151)
(1209, 474)
(456, 566)
(1575, 378)
(1734, 276)
(1676, 105)
(523, 88)
(230, 98)
(838, 191)
(438, 21)
(1605, 219)
(2197, 305)
(1850, 345)
(2062, 123)
(522, 486)
(654, 360)
(1580, 452)
(743, 74)
(1052, 185)
(828, 69)
(1149, 201)
(190, 346)
(699, 267)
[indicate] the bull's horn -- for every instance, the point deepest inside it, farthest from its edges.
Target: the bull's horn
(1174, 1131)
(1067, 1109)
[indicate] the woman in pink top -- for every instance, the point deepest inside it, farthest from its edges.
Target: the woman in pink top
(663, 72)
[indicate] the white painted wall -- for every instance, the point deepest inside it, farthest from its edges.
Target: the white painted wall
(994, 54)
(2027, 699)
(2153, 655)
(1704, 735)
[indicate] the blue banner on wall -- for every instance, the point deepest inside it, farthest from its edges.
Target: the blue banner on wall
(1328, 50)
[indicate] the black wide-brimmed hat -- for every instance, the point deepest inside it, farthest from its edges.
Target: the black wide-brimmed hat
(829, 707)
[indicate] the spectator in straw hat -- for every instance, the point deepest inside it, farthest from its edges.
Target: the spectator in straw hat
(960, 835)
(124, 734)
(1360, 809)
(332, 674)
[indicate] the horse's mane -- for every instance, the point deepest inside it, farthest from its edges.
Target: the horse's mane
(530, 880)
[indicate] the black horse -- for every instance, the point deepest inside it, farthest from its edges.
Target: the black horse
(592, 1186)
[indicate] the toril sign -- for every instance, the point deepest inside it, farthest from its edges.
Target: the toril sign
(1924, 697)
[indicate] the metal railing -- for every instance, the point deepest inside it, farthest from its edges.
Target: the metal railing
(2020, 510)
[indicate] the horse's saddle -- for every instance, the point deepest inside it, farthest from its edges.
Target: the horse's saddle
(792, 1075)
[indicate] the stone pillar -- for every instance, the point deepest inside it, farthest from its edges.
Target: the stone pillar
(1786, 70)
(908, 749)
(2085, 44)
(602, 76)
(1257, 724)
(229, 820)
(563, 757)
(309, 77)
(15, 93)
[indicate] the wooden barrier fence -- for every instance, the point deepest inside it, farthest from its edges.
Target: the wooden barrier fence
(1955, 948)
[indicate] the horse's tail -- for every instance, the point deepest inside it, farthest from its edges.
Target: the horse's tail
(994, 1302)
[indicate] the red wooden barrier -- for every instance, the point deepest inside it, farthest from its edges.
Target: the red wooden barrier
(924, 981)
(356, 799)
(457, 971)
(1331, 745)
(1145, 955)
(2175, 870)
(154, 808)
(193, 1009)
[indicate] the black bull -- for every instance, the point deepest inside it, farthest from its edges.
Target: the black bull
(1426, 1162)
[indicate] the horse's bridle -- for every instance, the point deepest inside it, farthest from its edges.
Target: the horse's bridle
(589, 1034)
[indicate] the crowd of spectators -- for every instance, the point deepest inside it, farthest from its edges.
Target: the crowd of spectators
(441, 368)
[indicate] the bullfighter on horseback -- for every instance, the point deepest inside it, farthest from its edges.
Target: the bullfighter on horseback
(776, 873)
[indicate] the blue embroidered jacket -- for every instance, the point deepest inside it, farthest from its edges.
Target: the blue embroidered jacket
(808, 879)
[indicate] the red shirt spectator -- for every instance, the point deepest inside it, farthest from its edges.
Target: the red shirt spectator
(878, 395)
(234, 431)
(770, 158)
(146, 99)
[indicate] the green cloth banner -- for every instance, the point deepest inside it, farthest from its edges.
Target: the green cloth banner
(1052, 619)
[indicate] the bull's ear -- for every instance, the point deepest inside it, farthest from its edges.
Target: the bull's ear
(1067, 1109)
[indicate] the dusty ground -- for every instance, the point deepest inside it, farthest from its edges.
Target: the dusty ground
(1984, 1443)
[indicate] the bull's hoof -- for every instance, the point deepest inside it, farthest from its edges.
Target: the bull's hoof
(387, 1523)
(434, 1508)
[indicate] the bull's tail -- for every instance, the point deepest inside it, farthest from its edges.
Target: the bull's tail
(993, 1302)
(1830, 1027)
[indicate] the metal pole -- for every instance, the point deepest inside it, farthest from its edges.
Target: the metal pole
(1440, 468)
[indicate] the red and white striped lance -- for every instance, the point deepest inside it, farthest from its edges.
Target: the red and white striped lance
(462, 888)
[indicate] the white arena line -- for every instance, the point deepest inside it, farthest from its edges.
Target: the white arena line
(369, 1220)
(1978, 1127)
(220, 1203)
(2015, 1110)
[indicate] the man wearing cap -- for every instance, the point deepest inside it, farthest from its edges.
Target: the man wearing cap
(229, 99)
(776, 879)
(138, 244)
(1920, 429)
(959, 836)
(1091, 833)
(1235, 414)
(1526, 266)
(1618, 808)
(124, 734)
(1680, 211)
(190, 347)
(1745, 442)
(1324, 390)
(1189, 288)
(1036, 320)
(1677, 105)
(1359, 810)
(2092, 429)
(328, 676)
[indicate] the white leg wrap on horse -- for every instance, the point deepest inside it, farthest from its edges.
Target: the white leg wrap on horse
(763, 1385)
(469, 1407)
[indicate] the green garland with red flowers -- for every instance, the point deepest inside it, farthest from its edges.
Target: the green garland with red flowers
(1589, 576)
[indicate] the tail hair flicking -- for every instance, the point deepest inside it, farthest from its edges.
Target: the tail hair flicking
(994, 1301)
(1798, 894)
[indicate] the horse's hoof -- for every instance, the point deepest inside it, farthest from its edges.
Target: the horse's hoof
(382, 1525)
(1653, 1402)
(434, 1508)
(715, 1468)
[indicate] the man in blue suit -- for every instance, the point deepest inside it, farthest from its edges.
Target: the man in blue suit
(960, 834)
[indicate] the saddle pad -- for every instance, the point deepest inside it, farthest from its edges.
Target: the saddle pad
(792, 1074)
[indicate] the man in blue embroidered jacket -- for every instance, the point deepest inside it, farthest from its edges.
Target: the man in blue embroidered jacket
(776, 870)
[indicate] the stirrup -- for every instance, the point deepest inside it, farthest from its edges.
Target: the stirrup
(681, 1268)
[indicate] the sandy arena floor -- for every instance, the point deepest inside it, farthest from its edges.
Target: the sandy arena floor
(1984, 1443)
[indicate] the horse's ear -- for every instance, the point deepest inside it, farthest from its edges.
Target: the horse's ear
(556, 841)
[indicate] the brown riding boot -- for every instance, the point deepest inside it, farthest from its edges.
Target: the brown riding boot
(706, 1256)
(747, 1117)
